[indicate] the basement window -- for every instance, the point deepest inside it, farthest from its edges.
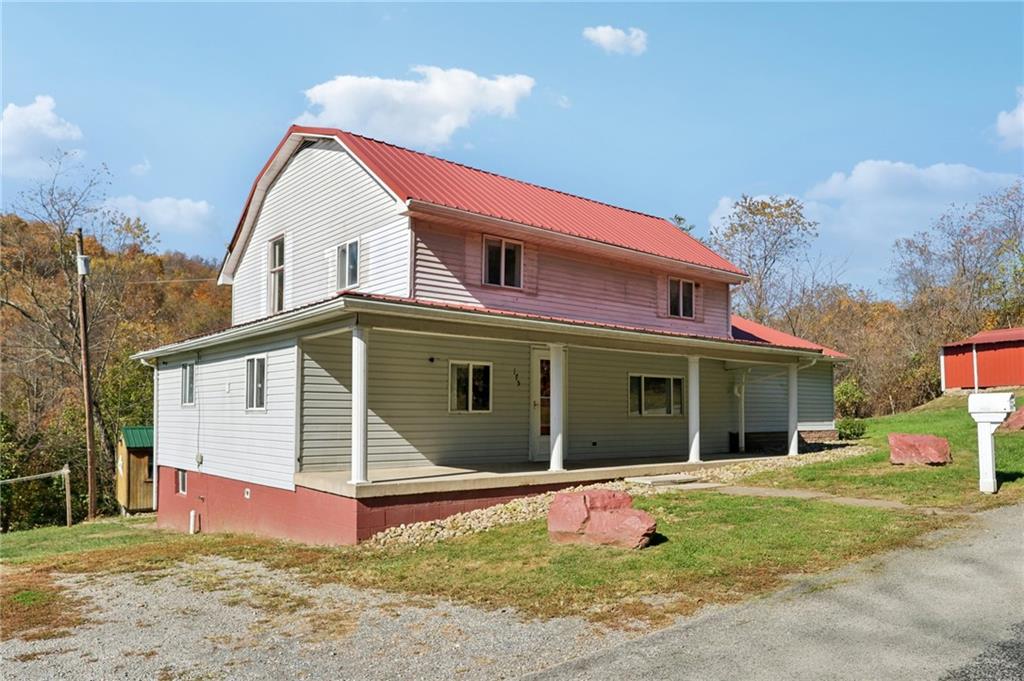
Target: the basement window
(655, 395)
(680, 298)
(503, 262)
(469, 387)
(182, 481)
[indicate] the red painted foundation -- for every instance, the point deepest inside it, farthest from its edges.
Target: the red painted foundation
(311, 516)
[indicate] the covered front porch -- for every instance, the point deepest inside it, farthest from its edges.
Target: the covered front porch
(400, 400)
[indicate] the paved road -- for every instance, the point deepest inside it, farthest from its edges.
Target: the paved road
(953, 612)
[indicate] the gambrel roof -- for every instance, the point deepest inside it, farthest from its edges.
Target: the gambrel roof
(414, 177)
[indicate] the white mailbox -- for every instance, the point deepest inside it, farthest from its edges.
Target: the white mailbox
(989, 410)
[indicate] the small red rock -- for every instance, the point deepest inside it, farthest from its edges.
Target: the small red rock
(599, 516)
(925, 449)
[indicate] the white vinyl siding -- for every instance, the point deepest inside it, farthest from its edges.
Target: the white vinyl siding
(254, 446)
(322, 198)
(815, 397)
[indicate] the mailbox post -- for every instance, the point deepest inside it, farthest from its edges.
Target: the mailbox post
(988, 410)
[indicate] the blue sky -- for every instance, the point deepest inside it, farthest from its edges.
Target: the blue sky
(877, 115)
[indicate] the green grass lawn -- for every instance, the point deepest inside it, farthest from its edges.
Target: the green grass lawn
(951, 486)
(713, 548)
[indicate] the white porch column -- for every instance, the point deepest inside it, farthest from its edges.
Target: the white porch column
(794, 435)
(557, 405)
(360, 336)
(693, 411)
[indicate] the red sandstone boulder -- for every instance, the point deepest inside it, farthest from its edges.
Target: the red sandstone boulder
(599, 517)
(924, 449)
(1013, 423)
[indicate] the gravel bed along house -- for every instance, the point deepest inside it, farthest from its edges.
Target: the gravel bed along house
(536, 507)
(220, 618)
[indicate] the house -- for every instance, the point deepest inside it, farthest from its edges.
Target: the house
(134, 469)
(412, 338)
(989, 359)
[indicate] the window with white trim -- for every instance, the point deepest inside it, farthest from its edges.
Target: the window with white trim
(182, 481)
(348, 265)
(469, 387)
(256, 382)
(188, 384)
(276, 276)
(680, 298)
(655, 395)
(503, 262)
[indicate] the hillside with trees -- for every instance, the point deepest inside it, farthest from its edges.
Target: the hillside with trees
(137, 298)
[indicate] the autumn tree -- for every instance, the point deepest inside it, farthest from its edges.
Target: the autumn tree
(764, 237)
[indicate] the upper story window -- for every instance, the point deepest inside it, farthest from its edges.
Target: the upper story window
(348, 265)
(276, 282)
(188, 384)
(256, 382)
(503, 262)
(680, 298)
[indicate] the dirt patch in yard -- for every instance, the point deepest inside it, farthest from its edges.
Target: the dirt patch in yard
(34, 607)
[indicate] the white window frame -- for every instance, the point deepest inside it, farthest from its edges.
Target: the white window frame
(188, 378)
(254, 359)
(693, 294)
(272, 271)
(490, 387)
(342, 267)
(483, 262)
(672, 396)
(181, 481)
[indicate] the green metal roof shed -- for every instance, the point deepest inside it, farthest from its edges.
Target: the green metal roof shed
(137, 437)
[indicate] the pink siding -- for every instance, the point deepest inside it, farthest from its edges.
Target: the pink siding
(558, 282)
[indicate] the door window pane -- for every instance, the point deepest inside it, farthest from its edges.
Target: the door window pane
(545, 397)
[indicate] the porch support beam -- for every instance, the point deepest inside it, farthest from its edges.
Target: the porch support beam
(794, 435)
(741, 413)
(358, 465)
(693, 404)
(557, 405)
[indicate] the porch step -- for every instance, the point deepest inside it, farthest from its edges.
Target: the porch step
(664, 480)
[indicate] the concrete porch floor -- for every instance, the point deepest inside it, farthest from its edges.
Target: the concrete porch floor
(386, 482)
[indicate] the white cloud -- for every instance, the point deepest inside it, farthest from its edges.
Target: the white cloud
(166, 214)
(30, 134)
(141, 168)
(422, 113)
(1010, 124)
(615, 40)
(863, 211)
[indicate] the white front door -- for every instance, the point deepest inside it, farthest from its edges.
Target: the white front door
(540, 405)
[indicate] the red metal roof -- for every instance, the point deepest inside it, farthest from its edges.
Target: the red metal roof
(993, 336)
(421, 177)
(744, 329)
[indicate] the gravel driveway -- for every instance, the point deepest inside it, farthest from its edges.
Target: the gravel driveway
(221, 618)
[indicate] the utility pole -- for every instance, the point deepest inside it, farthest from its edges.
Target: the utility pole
(82, 263)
